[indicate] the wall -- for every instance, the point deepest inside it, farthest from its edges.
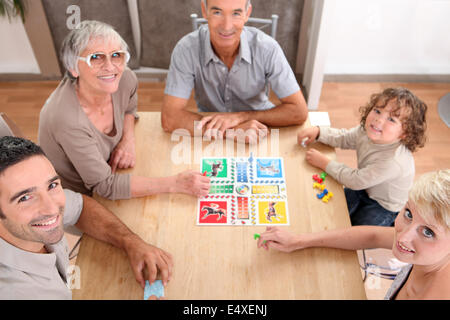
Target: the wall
(16, 55)
(389, 37)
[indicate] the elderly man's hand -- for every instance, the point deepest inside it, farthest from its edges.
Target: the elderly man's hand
(250, 131)
(146, 260)
(216, 125)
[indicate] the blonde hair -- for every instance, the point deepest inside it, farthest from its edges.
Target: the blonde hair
(431, 195)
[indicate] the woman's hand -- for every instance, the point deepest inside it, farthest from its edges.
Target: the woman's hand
(123, 155)
(191, 182)
(281, 240)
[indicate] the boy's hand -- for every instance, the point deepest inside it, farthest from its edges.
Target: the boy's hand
(317, 159)
(309, 133)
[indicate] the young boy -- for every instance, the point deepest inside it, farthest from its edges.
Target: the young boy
(392, 127)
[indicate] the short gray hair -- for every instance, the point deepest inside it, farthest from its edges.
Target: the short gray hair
(78, 39)
(246, 5)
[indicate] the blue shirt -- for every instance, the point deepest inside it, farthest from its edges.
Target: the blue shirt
(259, 63)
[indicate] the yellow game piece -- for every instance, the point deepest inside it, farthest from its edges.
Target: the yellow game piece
(318, 186)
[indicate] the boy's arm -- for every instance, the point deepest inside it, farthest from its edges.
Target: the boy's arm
(339, 138)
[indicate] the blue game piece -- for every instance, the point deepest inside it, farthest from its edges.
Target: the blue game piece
(156, 289)
(321, 195)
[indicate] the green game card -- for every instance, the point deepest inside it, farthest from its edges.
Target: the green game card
(215, 168)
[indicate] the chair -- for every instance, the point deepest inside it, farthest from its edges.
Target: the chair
(8, 127)
(380, 262)
(273, 22)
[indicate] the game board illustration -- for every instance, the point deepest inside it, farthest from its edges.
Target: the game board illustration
(244, 191)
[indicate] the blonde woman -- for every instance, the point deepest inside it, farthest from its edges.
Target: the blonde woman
(421, 238)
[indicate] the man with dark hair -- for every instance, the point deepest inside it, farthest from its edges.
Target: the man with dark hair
(34, 209)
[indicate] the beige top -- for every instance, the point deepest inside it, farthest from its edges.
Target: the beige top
(27, 275)
(77, 149)
(385, 171)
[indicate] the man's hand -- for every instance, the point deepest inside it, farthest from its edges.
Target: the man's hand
(252, 130)
(192, 182)
(123, 155)
(317, 159)
(216, 125)
(146, 260)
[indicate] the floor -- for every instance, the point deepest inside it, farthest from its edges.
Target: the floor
(22, 101)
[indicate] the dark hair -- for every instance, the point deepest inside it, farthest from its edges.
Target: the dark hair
(414, 122)
(14, 150)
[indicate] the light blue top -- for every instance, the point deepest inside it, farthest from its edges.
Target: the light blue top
(260, 63)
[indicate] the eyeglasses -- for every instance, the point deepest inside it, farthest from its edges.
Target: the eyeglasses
(98, 59)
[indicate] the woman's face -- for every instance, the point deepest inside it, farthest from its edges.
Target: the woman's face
(418, 241)
(103, 78)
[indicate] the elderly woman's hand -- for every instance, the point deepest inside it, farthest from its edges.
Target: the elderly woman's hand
(123, 155)
(192, 182)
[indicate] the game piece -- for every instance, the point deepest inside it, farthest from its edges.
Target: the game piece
(155, 289)
(321, 195)
(327, 197)
(303, 143)
(257, 236)
(317, 179)
(204, 173)
(323, 175)
(318, 186)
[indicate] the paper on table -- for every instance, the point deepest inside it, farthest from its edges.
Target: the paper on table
(319, 118)
(155, 289)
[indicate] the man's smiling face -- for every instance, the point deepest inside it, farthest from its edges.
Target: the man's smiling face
(32, 204)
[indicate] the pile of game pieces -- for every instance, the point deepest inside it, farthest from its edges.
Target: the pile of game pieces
(325, 195)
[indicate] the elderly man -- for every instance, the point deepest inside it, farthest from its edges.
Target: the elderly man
(230, 67)
(33, 210)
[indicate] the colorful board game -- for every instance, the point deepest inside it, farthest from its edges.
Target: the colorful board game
(244, 191)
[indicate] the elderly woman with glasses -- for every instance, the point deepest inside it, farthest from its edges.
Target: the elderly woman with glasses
(86, 127)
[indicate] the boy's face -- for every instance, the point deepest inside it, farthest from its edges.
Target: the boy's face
(32, 201)
(420, 242)
(382, 126)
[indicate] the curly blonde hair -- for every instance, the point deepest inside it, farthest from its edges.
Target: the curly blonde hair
(413, 109)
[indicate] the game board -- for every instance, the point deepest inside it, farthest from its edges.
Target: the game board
(244, 191)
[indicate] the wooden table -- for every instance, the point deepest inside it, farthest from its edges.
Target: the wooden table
(223, 262)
